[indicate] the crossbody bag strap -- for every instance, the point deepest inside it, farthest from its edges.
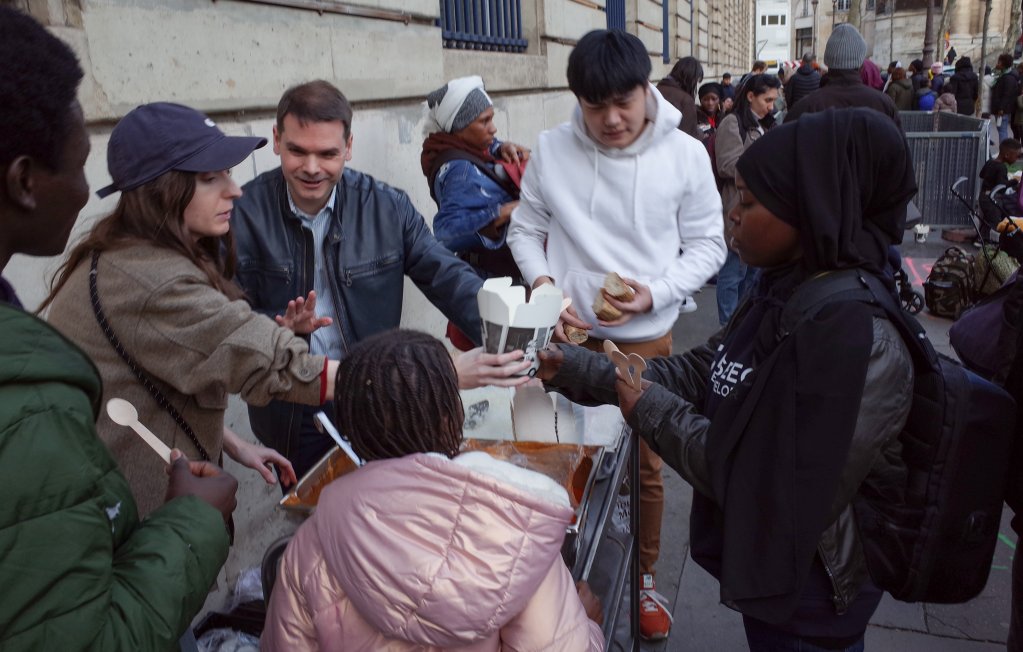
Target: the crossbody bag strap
(140, 375)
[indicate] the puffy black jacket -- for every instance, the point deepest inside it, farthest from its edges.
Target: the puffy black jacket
(375, 240)
(1004, 93)
(965, 86)
(805, 81)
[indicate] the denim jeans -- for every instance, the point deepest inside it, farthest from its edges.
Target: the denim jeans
(1003, 127)
(733, 281)
(761, 637)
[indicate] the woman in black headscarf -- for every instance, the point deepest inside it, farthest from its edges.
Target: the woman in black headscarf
(777, 434)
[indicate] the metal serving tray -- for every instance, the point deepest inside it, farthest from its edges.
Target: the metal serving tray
(573, 466)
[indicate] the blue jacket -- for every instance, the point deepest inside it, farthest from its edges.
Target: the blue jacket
(377, 238)
(469, 200)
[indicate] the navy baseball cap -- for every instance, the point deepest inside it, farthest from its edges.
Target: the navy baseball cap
(156, 138)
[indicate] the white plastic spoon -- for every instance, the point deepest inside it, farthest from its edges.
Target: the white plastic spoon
(328, 426)
(124, 413)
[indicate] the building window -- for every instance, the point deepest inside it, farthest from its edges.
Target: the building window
(781, 19)
(494, 25)
(804, 41)
(763, 19)
(615, 13)
(772, 20)
(842, 5)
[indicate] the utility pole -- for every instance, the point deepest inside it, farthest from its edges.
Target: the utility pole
(983, 45)
(814, 3)
(891, 33)
(929, 35)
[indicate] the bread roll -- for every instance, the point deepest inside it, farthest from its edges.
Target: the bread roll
(575, 334)
(604, 310)
(616, 287)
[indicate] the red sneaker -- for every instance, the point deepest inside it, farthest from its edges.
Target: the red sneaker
(654, 615)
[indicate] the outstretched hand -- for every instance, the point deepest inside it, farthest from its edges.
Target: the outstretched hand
(550, 362)
(301, 317)
(259, 458)
(478, 369)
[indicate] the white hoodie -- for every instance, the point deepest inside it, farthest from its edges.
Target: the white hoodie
(628, 210)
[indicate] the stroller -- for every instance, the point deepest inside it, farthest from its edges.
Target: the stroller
(911, 300)
(999, 211)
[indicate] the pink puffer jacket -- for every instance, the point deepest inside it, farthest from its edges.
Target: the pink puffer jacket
(426, 553)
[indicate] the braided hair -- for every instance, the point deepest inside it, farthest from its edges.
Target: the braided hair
(397, 394)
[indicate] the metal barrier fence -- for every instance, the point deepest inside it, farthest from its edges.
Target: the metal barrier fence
(945, 146)
(494, 25)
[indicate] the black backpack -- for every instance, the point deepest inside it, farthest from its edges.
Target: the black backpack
(928, 535)
(950, 287)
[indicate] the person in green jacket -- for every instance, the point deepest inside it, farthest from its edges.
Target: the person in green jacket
(79, 570)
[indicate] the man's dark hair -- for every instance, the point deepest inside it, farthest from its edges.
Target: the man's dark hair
(688, 73)
(759, 65)
(1009, 145)
(916, 65)
(397, 394)
(1005, 61)
(725, 76)
(315, 101)
(607, 63)
(39, 78)
(808, 58)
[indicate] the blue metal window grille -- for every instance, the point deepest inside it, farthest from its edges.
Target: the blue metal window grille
(615, 14)
(494, 25)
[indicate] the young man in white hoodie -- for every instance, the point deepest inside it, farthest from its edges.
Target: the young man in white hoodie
(620, 189)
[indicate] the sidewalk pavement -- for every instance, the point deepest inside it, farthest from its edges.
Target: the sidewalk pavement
(703, 625)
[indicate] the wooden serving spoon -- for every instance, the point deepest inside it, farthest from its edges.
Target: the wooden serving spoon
(631, 367)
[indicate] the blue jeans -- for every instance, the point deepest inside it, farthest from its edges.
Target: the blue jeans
(733, 281)
(761, 637)
(1003, 128)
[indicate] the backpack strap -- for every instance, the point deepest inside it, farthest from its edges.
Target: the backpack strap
(856, 285)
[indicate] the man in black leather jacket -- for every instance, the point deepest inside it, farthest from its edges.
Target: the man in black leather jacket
(310, 225)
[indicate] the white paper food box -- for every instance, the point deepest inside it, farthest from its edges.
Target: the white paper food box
(511, 323)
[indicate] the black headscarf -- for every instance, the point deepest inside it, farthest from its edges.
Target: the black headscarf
(777, 447)
(842, 177)
(711, 87)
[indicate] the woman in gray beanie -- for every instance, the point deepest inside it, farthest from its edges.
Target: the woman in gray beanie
(473, 177)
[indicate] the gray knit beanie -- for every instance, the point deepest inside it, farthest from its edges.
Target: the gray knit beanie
(846, 49)
(476, 102)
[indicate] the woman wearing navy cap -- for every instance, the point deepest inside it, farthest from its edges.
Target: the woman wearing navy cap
(161, 318)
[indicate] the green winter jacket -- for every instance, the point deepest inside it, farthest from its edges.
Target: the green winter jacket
(78, 569)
